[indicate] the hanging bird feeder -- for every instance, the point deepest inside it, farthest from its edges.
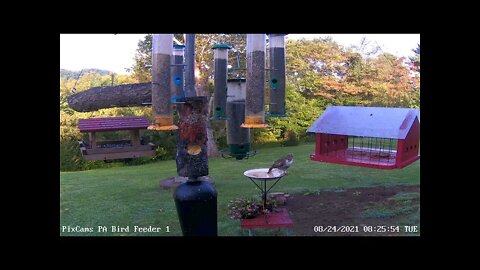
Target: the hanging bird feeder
(373, 137)
(176, 84)
(277, 75)
(161, 78)
(255, 96)
(220, 55)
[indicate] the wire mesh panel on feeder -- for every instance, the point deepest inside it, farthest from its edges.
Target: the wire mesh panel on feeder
(220, 55)
(255, 96)
(161, 95)
(177, 73)
(277, 75)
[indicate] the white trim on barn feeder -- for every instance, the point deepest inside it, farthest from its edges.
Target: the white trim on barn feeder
(176, 87)
(277, 75)
(255, 96)
(162, 52)
(373, 137)
(220, 54)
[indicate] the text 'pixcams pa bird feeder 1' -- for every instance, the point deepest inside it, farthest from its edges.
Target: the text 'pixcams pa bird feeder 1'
(162, 52)
(255, 96)
(220, 55)
(277, 75)
(373, 137)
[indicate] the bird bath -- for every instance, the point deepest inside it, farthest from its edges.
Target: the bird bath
(262, 174)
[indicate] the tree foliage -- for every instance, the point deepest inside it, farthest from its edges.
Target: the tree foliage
(319, 73)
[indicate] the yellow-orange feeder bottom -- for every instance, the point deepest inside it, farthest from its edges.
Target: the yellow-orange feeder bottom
(163, 123)
(254, 122)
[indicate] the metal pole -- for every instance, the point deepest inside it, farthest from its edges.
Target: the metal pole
(190, 66)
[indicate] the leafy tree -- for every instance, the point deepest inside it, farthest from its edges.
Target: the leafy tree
(415, 68)
(314, 64)
(415, 60)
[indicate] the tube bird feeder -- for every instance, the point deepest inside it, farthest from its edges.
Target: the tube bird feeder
(177, 72)
(238, 139)
(255, 96)
(161, 78)
(220, 55)
(277, 75)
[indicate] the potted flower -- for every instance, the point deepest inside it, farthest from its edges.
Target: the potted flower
(241, 208)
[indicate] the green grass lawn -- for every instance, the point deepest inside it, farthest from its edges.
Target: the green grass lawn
(130, 195)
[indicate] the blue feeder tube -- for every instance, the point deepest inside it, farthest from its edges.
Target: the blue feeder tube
(161, 96)
(277, 75)
(220, 54)
(255, 96)
(177, 72)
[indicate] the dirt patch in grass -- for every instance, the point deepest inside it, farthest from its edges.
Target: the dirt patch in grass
(372, 211)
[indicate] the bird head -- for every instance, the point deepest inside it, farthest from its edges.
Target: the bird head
(290, 156)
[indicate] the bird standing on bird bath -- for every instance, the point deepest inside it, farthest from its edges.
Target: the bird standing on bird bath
(283, 163)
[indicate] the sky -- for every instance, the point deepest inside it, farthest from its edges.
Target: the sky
(115, 52)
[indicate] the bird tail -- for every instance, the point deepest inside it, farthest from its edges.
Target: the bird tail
(269, 170)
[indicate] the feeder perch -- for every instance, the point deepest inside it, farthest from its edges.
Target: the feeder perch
(373, 137)
(120, 149)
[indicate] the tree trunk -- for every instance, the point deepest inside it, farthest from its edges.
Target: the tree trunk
(212, 148)
(192, 153)
(111, 96)
(202, 90)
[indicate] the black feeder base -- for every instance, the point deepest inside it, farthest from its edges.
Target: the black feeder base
(196, 203)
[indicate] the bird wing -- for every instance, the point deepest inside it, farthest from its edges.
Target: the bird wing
(278, 163)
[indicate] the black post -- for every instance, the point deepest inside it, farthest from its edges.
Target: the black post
(196, 200)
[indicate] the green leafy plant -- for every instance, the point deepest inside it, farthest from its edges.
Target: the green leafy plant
(241, 208)
(291, 138)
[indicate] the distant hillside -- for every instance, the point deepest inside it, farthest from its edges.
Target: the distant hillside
(68, 74)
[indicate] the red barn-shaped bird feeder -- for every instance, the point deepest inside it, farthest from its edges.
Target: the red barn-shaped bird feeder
(120, 149)
(373, 137)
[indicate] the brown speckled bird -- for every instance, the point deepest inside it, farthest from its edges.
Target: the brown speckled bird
(283, 163)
